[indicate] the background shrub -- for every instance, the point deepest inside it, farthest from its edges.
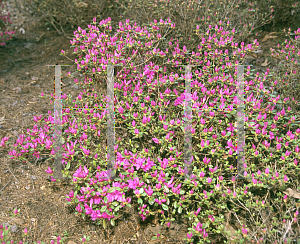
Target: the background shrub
(286, 72)
(244, 16)
(5, 22)
(65, 16)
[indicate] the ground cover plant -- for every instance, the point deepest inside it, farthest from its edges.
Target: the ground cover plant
(150, 120)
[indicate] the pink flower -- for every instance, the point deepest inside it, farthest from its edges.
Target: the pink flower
(79, 173)
(49, 171)
(121, 110)
(189, 236)
(245, 232)
(278, 146)
(16, 211)
(158, 186)
(267, 171)
(149, 191)
(155, 140)
(78, 208)
(2, 144)
(52, 179)
(136, 131)
(285, 178)
(198, 211)
(198, 227)
(137, 193)
(205, 160)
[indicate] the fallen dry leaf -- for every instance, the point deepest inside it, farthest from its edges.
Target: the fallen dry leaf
(292, 193)
(17, 89)
(34, 78)
(265, 63)
(2, 120)
(268, 36)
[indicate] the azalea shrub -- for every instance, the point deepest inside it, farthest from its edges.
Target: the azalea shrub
(149, 96)
(287, 72)
(5, 34)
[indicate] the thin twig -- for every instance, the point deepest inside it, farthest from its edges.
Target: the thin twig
(120, 128)
(286, 231)
(13, 175)
(5, 185)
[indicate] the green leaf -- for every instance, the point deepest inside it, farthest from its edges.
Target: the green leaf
(104, 224)
(112, 221)
(175, 205)
(68, 165)
(103, 209)
(112, 189)
(180, 209)
(105, 200)
(165, 207)
(151, 201)
(140, 201)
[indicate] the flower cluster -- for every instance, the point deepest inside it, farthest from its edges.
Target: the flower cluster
(150, 98)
